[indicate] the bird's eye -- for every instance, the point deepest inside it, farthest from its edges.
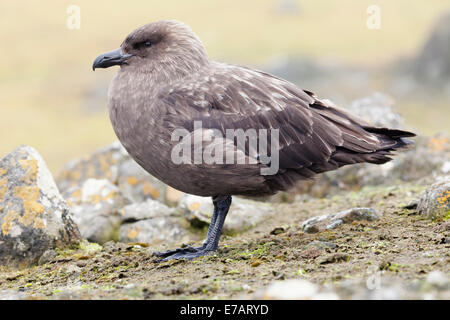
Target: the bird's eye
(147, 44)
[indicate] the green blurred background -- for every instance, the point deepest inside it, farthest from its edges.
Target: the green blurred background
(50, 98)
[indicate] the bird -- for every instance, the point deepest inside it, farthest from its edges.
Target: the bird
(167, 82)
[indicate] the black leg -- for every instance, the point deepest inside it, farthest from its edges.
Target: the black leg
(221, 207)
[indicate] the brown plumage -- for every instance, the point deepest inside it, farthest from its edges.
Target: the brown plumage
(166, 81)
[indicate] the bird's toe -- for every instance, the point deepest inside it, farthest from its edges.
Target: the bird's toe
(168, 253)
(187, 255)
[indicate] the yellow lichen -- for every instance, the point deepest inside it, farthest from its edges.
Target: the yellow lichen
(8, 220)
(76, 193)
(31, 168)
(132, 181)
(194, 206)
(90, 173)
(438, 144)
(3, 187)
(110, 195)
(133, 233)
(148, 189)
(3, 171)
(32, 208)
(444, 198)
(104, 165)
(74, 175)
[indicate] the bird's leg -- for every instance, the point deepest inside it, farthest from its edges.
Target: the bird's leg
(189, 248)
(221, 207)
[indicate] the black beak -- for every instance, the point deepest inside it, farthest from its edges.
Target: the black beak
(111, 58)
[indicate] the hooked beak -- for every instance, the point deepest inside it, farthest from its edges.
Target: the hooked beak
(111, 58)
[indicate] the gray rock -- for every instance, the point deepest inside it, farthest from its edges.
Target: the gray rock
(294, 289)
(146, 210)
(137, 185)
(96, 207)
(114, 164)
(243, 213)
(333, 220)
(102, 164)
(377, 110)
(435, 202)
(33, 215)
(321, 245)
(47, 256)
(152, 222)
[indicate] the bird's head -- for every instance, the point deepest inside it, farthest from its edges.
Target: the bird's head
(158, 45)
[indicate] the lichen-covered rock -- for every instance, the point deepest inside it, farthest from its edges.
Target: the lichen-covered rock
(333, 220)
(152, 222)
(33, 215)
(137, 185)
(102, 164)
(114, 164)
(435, 202)
(243, 213)
(96, 209)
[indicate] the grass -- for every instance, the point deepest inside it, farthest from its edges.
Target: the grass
(45, 71)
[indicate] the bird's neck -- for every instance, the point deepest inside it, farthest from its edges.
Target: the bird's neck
(167, 72)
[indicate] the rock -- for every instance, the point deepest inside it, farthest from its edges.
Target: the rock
(321, 245)
(47, 256)
(438, 279)
(377, 110)
(96, 209)
(137, 185)
(152, 222)
(294, 289)
(333, 220)
(435, 202)
(146, 210)
(34, 217)
(243, 213)
(114, 164)
(102, 164)
(334, 258)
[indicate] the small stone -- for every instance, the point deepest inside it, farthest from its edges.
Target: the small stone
(333, 220)
(321, 245)
(435, 202)
(277, 231)
(256, 263)
(333, 258)
(47, 256)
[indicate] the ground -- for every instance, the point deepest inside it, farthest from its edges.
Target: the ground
(400, 244)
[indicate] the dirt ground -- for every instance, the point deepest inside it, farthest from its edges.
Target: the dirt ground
(400, 243)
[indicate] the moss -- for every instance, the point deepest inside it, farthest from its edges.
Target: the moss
(89, 247)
